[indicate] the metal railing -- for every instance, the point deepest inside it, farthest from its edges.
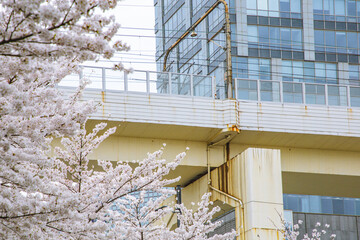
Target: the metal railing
(151, 82)
(297, 92)
(107, 79)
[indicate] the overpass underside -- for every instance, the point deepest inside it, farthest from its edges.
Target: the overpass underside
(256, 152)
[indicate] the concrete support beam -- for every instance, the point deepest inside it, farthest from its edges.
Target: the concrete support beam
(261, 191)
(254, 177)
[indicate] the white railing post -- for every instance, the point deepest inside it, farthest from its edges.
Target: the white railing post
(326, 95)
(191, 85)
(147, 82)
(303, 92)
(258, 90)
(348, 96)
(103, 78)
(170, 83)
(236, 88)
(281, 90)
(126, 87)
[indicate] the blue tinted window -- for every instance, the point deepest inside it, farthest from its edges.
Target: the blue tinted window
(285, 38)
(330, 38)
(319, 40)
(357, 206)
(295, 6)
(293, 203)
(351, 8)
(309, 71)
(253, 68)
(352, 42)
(328, 7)
(315, 204)
(240, 67)
(264, 65)
(318, 7)
(326, 205)
(322, 204)
(275, 37)
(349, 206)
(284, 5)
(338, 206)
(354, 72)
(252, 33)
(340, 7)
(264, 35)
(296, 35)
(341, 42)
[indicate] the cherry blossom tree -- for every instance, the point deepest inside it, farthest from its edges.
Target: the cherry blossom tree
(41, 41)
(292, 233)
(105, 199)
(46, 197)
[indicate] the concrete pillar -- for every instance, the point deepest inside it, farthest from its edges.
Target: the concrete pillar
(241, 28)
(261, 192)
(308, 27)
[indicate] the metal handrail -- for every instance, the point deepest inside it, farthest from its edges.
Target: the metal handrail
(190, 86)
(345, 96)
(168, 81)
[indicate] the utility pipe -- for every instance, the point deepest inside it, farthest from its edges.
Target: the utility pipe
(241, 204)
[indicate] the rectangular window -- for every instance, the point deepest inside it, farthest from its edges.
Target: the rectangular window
(298, 71)
(296, 39)
(352, 42)
(328, 7)
(341, 42)
(275, 8)
(309, 71)
(275, 38)
(295, 6)
(318, 7)
(340, 7)
(253, 34)
(284, 5)
(330, 41)
(350, 8)
(319, 40)
(285, 34)
(263, 36)
(240, 67)
(354, 75)
(320, 72)
(287, 73)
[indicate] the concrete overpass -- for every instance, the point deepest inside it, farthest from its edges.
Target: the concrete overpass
(256, 149)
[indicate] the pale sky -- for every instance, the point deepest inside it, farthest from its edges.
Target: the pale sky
(137, 19)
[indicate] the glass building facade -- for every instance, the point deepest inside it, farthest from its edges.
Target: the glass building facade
(308, 50)
(322, 204)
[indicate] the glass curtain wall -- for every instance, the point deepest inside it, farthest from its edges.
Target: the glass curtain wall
(337, 10)
(274, 8)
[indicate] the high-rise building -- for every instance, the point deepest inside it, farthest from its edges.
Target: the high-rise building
(295, 78)
(290, 41)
